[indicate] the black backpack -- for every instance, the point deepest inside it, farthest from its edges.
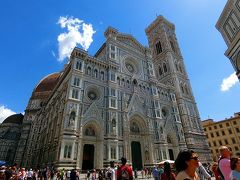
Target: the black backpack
(219, 170)
(109, 174)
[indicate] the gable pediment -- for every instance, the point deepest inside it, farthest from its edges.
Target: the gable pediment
(136, 105)
(92, 113)
(130, 41)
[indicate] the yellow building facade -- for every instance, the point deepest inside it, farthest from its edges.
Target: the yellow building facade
(225, 132)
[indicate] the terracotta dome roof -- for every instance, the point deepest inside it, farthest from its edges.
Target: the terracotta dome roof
(15, 118)
(47, 83)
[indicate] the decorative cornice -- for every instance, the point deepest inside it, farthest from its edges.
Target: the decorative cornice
(227, 8)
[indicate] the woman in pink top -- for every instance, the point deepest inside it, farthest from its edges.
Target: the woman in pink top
(224, 162)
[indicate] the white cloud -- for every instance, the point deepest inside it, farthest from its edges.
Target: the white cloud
(78, 32)
(228, 82)
(5, 112)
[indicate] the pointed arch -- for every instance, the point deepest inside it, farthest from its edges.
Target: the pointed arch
(89, 70)
(102, 75)
(95, 73)
(160, 70)
(165, 67)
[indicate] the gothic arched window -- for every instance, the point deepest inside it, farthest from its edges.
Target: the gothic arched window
(72, 118)
(96, 73)
(102, 75)
(158, 47)
(160, 71)
(164, 67)
(67, 151)
(123, 82)
(78, 65)
(89, 71)
(114, 126)
(157, 135)
(118, 81)
(161, 130)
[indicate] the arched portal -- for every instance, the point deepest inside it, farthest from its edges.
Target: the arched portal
(136, 155)
(139, 142)
(88, 157)
(172, 144)
(91, 146)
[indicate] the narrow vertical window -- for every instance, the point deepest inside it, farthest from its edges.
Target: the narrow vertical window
(114, 126)
(78, 65)
(102, 75)
(96, 73)
(164, 67)
(89, 71)
(160, 71)
(75, 93)
(112, 52)
(76, 81)
(158, 47)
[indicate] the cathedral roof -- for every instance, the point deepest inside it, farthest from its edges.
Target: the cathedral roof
(15, 119)
(47, 83)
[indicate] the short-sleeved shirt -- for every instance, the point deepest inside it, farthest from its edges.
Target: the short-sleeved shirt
(235, 175)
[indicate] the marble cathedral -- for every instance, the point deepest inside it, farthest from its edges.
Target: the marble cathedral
(126, 100)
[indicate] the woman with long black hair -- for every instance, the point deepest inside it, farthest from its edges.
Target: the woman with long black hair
(167, 174)
(186, 165)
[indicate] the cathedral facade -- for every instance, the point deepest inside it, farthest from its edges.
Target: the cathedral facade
(126, 100)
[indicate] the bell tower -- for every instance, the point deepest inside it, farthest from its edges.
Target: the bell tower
(170, 70)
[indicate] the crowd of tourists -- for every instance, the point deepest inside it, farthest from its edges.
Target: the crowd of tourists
(185, 167)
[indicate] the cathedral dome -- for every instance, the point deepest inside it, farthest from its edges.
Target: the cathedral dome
(15, 119)
(47, 83)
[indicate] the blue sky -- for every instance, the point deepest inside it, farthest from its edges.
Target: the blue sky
(33, 36)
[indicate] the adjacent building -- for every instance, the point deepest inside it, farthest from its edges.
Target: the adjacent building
(223, 133)
(229, 26)
(126, 100)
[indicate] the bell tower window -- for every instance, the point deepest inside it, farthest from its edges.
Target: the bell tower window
(158, 47)
(160, 71)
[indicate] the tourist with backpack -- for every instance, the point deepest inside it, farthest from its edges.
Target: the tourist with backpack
(110, 174)
(124, 172)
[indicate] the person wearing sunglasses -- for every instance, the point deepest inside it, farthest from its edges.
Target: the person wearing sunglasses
(186, 165)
